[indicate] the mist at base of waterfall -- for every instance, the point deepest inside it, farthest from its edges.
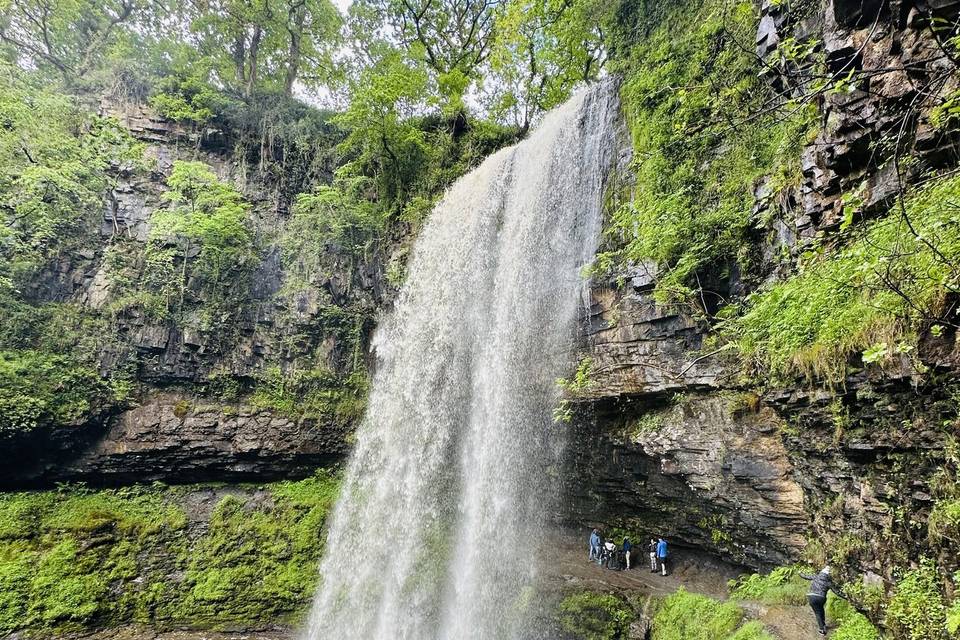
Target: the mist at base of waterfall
(455, 471)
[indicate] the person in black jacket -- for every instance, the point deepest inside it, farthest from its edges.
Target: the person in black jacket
(817, 596)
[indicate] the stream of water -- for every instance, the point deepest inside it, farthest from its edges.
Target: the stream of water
(455, 469)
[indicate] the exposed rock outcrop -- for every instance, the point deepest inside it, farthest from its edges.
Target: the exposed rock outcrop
(179, 438)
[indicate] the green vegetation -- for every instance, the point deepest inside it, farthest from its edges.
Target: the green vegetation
(571, 389)
(54, 161)
(688, 86)
(689, 616)
(39, 389)
(75, 557)
(595, 616)
(869, 297)
(209, 218)
(916, 610)
(851, 625)
(781, 586)
(314, 393)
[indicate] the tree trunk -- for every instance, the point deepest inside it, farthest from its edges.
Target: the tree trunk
(293, 55)
(254, 55)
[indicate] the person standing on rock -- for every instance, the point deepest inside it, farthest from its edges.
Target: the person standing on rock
(662, 555)
(594, 546)
(626, 551)
(817, 596)
(652, 548)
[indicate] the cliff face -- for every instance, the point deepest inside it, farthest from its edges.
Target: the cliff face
(209, 400)
(671, 437)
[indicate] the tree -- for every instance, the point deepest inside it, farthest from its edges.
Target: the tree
(451, 37)
(206, 224)
(383, 138)
(267, 43)
(70, 36)
(543, 48)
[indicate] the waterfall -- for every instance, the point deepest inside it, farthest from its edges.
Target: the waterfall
(455, 468)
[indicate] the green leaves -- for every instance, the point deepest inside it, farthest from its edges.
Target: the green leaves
(206, 225)
(54, 158)
(868, 298)
(688, 90)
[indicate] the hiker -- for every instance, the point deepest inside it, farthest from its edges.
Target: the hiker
(817, 595)
(610, 555)
(594, 546)
(662, 555)
(626, 551)
(652, 548)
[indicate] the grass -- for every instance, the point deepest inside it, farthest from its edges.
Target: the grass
(689, 616)
(781, 586)
(867, 299)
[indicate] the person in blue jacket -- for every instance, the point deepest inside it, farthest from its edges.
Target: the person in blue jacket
(662, 555)
(817, 595)
(594, 546)
(626, 551)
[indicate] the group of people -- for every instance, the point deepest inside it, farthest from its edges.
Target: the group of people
(609, 554)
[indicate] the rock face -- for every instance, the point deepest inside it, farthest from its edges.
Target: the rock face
(176, 437)
(175, 426)
(668, 440)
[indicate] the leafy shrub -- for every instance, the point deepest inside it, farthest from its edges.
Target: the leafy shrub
(841, 303)
(851, 625)
(689, 616)
(781, 586)
(916, 610)
(595, 616)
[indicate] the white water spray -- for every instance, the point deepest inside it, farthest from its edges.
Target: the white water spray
(454, 473)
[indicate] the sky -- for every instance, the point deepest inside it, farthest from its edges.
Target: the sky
(342, 5)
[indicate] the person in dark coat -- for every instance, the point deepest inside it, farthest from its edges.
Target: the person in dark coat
(626, 551)
(652, 548)
(817, 596)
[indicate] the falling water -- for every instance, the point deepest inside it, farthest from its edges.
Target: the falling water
(454, 470)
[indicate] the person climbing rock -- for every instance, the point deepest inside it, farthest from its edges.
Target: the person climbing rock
(594, 546)
(817, 595)
(662, 555)
(626, 551)
(652, 548)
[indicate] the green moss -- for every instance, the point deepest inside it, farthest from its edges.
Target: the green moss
(688, 88)
(75, 558)
(689, 616)
(841, 303)
(595, 616)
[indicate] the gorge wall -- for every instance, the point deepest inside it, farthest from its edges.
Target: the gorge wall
(678, 436)
(674, 433)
